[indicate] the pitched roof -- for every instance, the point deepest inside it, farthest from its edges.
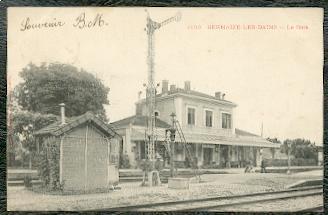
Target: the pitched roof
(57, 128)
(138, 120)
(194, 93)
(240, 132)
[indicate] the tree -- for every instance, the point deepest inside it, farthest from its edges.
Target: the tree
(48, 85)
(273, 150)
(300, 148)
(20, 136)
(273, 140)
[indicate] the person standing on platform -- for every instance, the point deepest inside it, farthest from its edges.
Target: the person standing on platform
(263, 166)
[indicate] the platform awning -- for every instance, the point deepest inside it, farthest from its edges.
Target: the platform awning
(139, 135)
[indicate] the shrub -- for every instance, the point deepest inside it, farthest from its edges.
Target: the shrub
(303, 162)
(211, 166)
(159, 165)
(43, 168)
(293, 162)
(191, 163)
(27, 181)
(234, 164)
(146, 165)
(54, 165)
(61, 186)
(179, 164)
(49, 165)
(125, 161)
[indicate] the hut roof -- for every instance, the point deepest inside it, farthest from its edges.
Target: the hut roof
(58, 129)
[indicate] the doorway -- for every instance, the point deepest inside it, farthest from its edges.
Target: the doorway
(208, 156)
(142, 148)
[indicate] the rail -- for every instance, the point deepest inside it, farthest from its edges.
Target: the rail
(220, 201)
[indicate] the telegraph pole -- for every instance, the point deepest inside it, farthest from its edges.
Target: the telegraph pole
(288, 154)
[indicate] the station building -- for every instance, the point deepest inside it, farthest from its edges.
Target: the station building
(207, 123)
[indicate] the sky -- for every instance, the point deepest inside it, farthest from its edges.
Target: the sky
(267, 61)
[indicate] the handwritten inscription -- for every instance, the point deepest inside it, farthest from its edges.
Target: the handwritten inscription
(27, 24)
(82, 21)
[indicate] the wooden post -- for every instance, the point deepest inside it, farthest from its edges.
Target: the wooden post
(139, 149)
(30, 160)
(288, 153)
(172, 159)
(260, 155)
(38, 145)
(228, 157)
(108, 161)
(255, 156)
(61, 160)
(196, 153)
(237, 155)
(86, 158)
(219, 155)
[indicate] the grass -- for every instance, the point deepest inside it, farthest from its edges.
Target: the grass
(45, 190)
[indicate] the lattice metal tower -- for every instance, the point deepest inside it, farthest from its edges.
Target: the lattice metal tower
(151, 27)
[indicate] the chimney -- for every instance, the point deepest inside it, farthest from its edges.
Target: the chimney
(218, 95)
(139, 95)
(62, 113)
(138, 109)
(173, 87)
(223, 95)
(165, 86)
(187, 86)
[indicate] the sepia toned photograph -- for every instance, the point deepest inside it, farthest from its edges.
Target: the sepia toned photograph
(145, 109)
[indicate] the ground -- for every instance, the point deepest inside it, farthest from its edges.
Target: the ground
(19, 198)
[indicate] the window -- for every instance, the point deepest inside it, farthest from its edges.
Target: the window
(208, 118)
(191, 116)
(226, 120)
(178, 148)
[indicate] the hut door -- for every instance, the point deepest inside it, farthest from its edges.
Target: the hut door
(72, 164)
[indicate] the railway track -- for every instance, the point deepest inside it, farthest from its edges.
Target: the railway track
(226, 203)
(313, 209)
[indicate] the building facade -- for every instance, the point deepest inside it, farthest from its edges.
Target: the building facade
(207, 123)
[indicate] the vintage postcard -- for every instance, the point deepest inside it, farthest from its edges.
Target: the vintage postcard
(165, 109)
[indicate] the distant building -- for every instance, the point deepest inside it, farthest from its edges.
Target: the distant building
(82, 153)
(207, 123)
